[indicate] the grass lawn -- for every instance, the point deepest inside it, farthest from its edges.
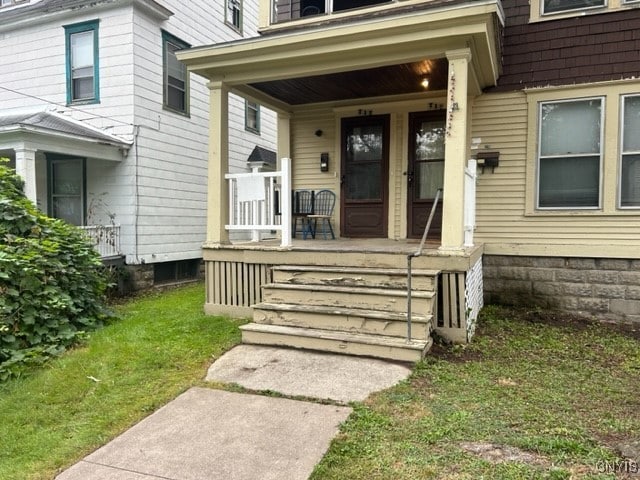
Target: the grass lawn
(565, 393)
(161, 345)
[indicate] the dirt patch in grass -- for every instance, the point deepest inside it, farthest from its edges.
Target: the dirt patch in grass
(495, 453)
(454, 354)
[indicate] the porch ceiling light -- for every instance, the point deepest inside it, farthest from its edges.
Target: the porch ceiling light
(425, 83)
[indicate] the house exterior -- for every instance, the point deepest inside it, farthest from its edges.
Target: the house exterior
(386, 102)
(109, 130)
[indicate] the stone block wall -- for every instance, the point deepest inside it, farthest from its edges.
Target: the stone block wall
(608, 289)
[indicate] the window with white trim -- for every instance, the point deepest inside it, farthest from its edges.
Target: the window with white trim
(557, 6)
(252, 117)
(176, 76)
(233, 15)
(630, 152)
(570, 154)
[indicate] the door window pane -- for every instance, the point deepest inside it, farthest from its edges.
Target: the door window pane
(428, 179)
(364, 181)
(66, 187)
(430, 141)
(365, 143)
(570, 152)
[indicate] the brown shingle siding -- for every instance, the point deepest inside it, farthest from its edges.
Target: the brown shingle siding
(580, 49)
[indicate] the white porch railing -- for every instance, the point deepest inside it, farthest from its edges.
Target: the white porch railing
(470, 201)
(261, 201)
(105, 239)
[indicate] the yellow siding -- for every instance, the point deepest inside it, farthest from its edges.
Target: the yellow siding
(502, 121)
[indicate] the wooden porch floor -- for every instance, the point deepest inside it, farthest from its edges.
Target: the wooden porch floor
(372, 245)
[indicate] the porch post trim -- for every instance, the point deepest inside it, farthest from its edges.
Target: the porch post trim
(456, 150)
(26, 168)
(218, 190)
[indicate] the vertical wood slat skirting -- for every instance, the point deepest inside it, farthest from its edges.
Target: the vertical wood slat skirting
(235, 283)
(452, 311)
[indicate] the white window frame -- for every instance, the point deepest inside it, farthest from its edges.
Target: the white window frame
(230, 17)
(602, 100)
(574, 9)
(622, 153)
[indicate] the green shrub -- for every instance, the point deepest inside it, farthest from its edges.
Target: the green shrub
(51, 284)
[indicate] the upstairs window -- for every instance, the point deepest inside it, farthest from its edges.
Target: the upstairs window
(630, 152)
(8, 3)
(176, 77)
(557, 6)
(252, 117)
(83, 84)
(233, 14)
(569, 154)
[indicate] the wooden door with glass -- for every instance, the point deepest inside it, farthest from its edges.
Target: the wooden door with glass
(365, 176)
(425, 173)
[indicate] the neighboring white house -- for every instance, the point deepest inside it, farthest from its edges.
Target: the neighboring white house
(108, 129)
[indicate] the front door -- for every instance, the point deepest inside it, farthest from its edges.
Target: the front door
(364, 181)
(425, 173)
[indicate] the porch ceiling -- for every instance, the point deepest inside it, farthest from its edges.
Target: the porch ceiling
(371, 82)
(362, 59)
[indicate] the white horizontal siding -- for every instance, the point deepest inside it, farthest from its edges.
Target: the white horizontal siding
(158, 192)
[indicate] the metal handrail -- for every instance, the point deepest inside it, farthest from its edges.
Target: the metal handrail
(417, 253)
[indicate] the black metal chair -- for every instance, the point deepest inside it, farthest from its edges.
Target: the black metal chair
(302, 206)
(324, 202)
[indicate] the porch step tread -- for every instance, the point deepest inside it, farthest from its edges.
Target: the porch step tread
(348, 289)
(363, 270)
(363, 338)
(344, 311)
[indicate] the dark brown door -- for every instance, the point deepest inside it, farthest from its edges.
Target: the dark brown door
(365, 179)
(425, 174)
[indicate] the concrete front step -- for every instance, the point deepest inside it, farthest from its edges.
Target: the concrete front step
(360, 344)
(393, 278)
(382, 299)
(392, 324)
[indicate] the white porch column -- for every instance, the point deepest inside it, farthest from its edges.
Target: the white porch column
(456, 151)
(284, 135)
(217, 189)
(26, 168)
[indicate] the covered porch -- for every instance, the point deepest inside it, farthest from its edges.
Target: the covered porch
(378, 111)
(64, 164)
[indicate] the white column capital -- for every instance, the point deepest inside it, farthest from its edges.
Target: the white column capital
(26, 168)
(459, 54)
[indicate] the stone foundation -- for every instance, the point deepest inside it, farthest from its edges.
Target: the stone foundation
(608, 289)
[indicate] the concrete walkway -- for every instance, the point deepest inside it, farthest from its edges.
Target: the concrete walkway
(208, 434)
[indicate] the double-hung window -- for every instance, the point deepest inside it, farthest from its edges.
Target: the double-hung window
(630, 152)
(557, 6)
(570, 154)
(83, 85)
(176, 77)
(252, 117)
(233, 15)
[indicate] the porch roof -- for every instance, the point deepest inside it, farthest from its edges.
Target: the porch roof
(366, 57)
(53, 132)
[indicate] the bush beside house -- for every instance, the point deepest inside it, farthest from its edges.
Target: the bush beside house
(51, 281)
